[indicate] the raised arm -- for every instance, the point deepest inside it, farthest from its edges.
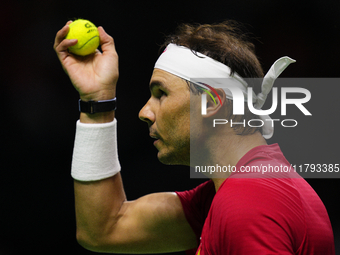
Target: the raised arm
(106, 221)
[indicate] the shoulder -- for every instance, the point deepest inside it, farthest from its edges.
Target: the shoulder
(203, 188)
(196, 204)
(199, 198)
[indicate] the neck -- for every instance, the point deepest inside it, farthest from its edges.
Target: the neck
(227, 150)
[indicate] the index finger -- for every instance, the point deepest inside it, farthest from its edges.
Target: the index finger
(61, 34)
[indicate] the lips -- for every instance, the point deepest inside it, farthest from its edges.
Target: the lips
(154, 135)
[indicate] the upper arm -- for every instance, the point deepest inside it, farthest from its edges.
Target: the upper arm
(153, 223)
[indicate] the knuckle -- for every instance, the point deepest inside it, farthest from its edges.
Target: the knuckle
(111, 38)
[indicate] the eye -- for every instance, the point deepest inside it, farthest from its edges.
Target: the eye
(159, 93)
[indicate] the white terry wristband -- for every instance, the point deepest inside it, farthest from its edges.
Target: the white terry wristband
(95, 154)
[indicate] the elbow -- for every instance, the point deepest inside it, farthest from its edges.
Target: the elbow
(98, 239)
(89, 242)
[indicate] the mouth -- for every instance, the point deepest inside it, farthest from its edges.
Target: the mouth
(154, 136)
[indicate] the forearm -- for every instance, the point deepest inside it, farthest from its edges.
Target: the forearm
(97, 201)
(97, 205)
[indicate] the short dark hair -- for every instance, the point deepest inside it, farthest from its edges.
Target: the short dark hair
(228, 44)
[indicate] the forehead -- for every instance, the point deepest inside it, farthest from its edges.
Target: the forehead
(167, 80)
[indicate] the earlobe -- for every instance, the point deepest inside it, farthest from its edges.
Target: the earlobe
(214, 102)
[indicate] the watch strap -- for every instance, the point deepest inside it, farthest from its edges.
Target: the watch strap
(97, 106)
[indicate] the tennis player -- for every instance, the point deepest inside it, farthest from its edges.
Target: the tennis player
(235, 212)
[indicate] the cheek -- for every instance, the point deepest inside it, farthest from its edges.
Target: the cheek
(175, 115)
(195, 110)
(182, 110)
(196, 118)
(181, 120)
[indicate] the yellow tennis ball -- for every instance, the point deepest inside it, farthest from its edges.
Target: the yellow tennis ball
(87, 34)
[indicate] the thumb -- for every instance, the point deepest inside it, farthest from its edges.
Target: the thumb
(106, 42)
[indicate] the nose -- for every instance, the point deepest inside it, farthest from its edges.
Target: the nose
(146, 114)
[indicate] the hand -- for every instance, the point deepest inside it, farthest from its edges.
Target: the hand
(94, 76)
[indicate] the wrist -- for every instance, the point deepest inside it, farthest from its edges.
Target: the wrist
(99, 95)
(100, 117)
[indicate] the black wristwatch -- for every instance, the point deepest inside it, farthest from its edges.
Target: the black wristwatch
(97, 106)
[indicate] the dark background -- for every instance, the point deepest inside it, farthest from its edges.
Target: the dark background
(38, 107)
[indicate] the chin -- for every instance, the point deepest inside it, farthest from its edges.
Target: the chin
(173, 159)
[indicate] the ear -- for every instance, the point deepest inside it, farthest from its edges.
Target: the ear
(215, 104)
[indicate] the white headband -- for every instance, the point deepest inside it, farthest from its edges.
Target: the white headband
(193, 66)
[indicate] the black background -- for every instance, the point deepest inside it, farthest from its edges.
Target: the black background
(38, 105)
